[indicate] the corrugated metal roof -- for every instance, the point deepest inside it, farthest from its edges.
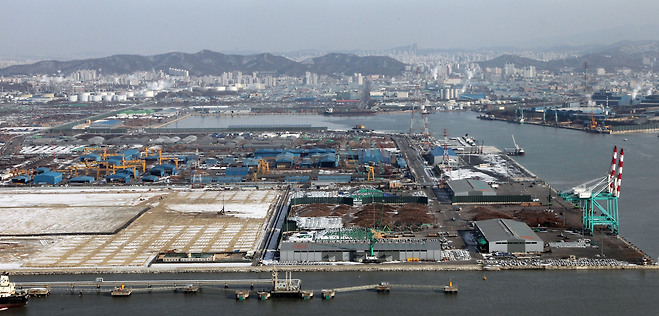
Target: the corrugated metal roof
(470, 187)
(237, 171)
(82, 179)
(506, 229)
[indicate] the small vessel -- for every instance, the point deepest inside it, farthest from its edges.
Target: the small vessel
(190, 289)
(349, 112)
(383, 287)
(450, 288)
(39, 291)
(484, 277)
(9, 297)
(121, 291)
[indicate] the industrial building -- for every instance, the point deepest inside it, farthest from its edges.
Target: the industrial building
(470, 187)
(357, 250)
(106, 124)
(436, 156)
(48, 178)
(505, 235)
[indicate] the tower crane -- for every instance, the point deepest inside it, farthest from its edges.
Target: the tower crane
(598, 198)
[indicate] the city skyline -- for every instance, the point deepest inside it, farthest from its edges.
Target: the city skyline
(75, 29)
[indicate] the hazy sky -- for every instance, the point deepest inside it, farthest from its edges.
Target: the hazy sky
(70, 28)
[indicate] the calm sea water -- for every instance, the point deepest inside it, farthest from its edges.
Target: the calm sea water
(564, 158)
(503, 293)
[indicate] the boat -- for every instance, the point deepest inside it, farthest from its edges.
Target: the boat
(39, 291)
(121, 291)
(517, 151)
(450, 288)
(383, 287)
(9, 297)
(349, 112)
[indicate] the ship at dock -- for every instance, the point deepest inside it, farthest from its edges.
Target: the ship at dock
(9, 297)
(517, 151)
(349, 112)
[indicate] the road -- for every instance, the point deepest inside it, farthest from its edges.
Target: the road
(447, 217)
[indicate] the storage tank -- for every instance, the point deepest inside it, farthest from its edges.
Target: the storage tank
(149, 94)
(73, 98)
(96, 98)
(83, 97)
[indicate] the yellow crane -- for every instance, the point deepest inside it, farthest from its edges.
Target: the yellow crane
(371, 174)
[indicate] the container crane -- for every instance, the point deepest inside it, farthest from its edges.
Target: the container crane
(598, 198)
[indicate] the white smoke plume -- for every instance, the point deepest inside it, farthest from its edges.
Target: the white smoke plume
(160, 85)
(465, 86)
(635, 92)
(435, 72)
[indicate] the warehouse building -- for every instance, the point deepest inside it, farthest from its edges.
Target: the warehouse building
(436, 157)
(357, 250)
(505, 235)
(470, 187)
(106, 124)
(50, 178)
(82, 179)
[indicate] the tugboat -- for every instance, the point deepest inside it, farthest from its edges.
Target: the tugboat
(121, 291)
(9, 297)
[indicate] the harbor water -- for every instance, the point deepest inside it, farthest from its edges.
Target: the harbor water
(503, 293)
(562, 157)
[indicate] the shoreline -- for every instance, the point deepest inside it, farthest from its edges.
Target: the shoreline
(322, 268)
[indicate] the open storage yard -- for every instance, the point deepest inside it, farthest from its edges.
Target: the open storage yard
(91, 228)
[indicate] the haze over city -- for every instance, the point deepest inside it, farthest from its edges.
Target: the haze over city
(74, 29)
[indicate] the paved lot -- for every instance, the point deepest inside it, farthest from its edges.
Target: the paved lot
(197, 227)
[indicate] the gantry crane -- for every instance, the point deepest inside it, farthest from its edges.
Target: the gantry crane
(598, 198)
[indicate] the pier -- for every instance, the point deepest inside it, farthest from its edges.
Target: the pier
(285, 287)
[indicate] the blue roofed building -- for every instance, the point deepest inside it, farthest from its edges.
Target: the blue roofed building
(129, 154)
(90, 157)
(329, 161)
(118, 177)
(50, 178)
(82, 179)
(436, 156)
(150, 178)
(237, 171)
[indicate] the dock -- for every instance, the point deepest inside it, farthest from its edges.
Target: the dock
(281, 287)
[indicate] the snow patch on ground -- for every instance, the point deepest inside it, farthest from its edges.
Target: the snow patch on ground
(72, 199)
(469, 174)
(48, 220)
(238, 210)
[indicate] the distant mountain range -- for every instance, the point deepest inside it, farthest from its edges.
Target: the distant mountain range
(207, 62)
(633, 55)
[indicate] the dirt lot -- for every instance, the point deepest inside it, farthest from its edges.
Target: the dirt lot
(395, 217)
